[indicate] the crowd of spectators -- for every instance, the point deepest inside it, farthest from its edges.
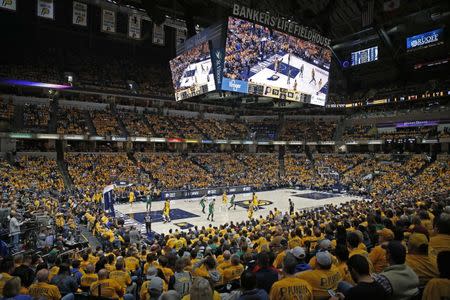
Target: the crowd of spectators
(134, 123)
(6, 109)
(172, 171)
(36, 117)
(244, 48)
(72, 121)
(105, 123)
(310, 130)
(353, 248)
(91, 172)
(31, 174)
(359, 132)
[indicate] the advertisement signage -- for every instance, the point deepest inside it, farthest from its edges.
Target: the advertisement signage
(430, 38)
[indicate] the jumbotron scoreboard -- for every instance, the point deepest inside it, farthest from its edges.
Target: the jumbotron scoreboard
(255, 53)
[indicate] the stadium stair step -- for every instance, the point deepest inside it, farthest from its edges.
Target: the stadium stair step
(18, 122)
(339, 132)
(147, 123)
(92, 240)
(53, 120)
(90, 124)
(68, 183)
(122, 127)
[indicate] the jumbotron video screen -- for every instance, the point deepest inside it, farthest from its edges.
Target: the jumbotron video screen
(266, 62)
(192, 72)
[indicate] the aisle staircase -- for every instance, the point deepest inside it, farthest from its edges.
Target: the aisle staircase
(89, 123)
(62, 166)
(18, 120)
(123, 129)
(339, 132)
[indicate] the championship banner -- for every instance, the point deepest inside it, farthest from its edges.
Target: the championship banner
(79, 16)
(158, 34)
(134, 27)
(45, 9)
(8, 4)
(180, 36)
(108, 21)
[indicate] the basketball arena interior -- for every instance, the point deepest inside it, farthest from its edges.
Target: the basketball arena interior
(215, 149)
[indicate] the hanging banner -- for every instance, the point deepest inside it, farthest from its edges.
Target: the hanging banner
(108, 21)
(79, 16)
(134, 27)
(8, 4)
(180, 36)
(158, 34)
(45, 9)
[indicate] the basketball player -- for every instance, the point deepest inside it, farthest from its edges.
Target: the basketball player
(255, 201)
(313, 76)
(131, 198)
(166, 211)
(224, 199)
(202, 203)
(301, 70)
(211, 210)
(320, 84)
(250, 211)
(232, 203)
(295, 84)
(275, 66)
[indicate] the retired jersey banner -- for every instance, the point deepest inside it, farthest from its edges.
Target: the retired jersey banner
(45, 9)
(79, 16)
(134, 27)
(108, 21)
(180, 36)
(8, 4)
(158, 34)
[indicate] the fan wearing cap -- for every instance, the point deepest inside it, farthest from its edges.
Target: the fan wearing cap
(289, 286)
(151, 274)
(300, 255)
(398, 280)
(418, 260)
(378, 254)
(324, 245)
(325, 277)
(439, 288)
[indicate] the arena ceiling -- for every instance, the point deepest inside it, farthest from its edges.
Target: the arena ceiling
(336, 19)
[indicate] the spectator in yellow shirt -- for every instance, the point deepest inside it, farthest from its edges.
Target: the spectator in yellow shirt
(289, 286)
(418, 259)
(439, 288)
(42, 289)
(378, 254)
(120, 275)
(6, 268)
(88, 278)
(234, 271)
(106, 287)
(325, 277)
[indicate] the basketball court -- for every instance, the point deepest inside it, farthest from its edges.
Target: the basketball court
(186, 213)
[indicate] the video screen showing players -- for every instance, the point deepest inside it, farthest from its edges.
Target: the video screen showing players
(266, 62)
(192, 72)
